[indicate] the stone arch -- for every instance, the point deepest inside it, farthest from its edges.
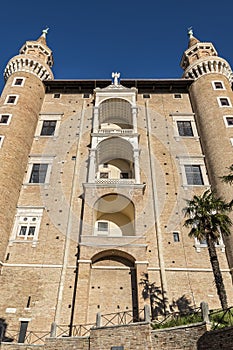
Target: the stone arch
(115, 113)
(113, 282)
(114, 215)
(117, 154)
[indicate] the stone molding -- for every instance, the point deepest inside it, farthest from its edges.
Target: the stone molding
(26, 64)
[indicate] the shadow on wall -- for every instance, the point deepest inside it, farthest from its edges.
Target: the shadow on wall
(3, 327)
(158, 301)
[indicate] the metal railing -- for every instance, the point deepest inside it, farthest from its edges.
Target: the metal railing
(178, 318)
(30, 338)
(80, 330)
(221, 318)
(121, 318)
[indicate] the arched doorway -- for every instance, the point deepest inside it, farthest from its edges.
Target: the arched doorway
(113, 284)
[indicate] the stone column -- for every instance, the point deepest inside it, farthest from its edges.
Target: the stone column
(92, 168)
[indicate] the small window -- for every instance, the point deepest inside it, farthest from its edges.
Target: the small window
(56, 95)
(224, 102)
(102, 226)
(86, 95)
(18, 81)
(38, 174)
(177, 96)
(229, 121)
(185, 128)
(218, 85)
(103, 175)
(1, 140)
(12, 99)
(48, 127)
(176, 236)
(105, 165)
(193, 175)
(146, 95)
(4, 119)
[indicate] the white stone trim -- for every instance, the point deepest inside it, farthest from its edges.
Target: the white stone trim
(193, 160)
(48, 117)
(1, 140)
(220, 104)
(9, 119)
(25, 64)
(11, 95)
(14, 81)
(188, 269)
(40, 159)
(179, 118)
(29, 213)
(225, 121)
(218, 81)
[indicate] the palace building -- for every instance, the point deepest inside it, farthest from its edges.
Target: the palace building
(94, 176)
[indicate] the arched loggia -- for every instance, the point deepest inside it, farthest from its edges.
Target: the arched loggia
(114, 159)
(114, 216)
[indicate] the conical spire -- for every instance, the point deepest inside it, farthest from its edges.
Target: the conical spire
(192, 39)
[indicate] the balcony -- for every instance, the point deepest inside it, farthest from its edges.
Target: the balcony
(115, 132)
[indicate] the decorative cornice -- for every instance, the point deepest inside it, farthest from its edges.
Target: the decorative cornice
(26, 64)
(207, 66)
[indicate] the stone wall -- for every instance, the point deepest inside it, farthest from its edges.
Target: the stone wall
(179, 338)
(132, 337)
(219, 339)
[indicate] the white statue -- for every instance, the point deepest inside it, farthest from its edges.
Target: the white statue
(45, 32)
(116, 76)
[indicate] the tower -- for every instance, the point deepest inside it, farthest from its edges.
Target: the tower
(22, 99)
(212, 99)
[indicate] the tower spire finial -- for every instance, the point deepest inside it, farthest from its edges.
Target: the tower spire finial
(45, 32)
(190, 32)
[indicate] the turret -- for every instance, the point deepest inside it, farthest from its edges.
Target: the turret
(212, 99)
(22, 98)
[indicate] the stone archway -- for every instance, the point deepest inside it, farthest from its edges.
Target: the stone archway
(113, 284)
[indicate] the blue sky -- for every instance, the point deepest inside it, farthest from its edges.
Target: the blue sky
(92, 38)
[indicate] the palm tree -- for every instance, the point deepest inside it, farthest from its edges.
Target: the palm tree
(228, 178)
(208, 219)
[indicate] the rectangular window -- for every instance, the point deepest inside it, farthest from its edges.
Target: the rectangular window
(176, 236)
(38, 173)
(11, 99)
(193, 175)
(4, 119)
(229, 121)
(86, 95)
(224, 102)
(27, 225)
(105, 165)
(103, 175)
(48, 127)
(218, 85)
(27, 231)
(185, 128)
(18, 82)
(102, 226)
(146, 95)
(56, 95)
(177, 96)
